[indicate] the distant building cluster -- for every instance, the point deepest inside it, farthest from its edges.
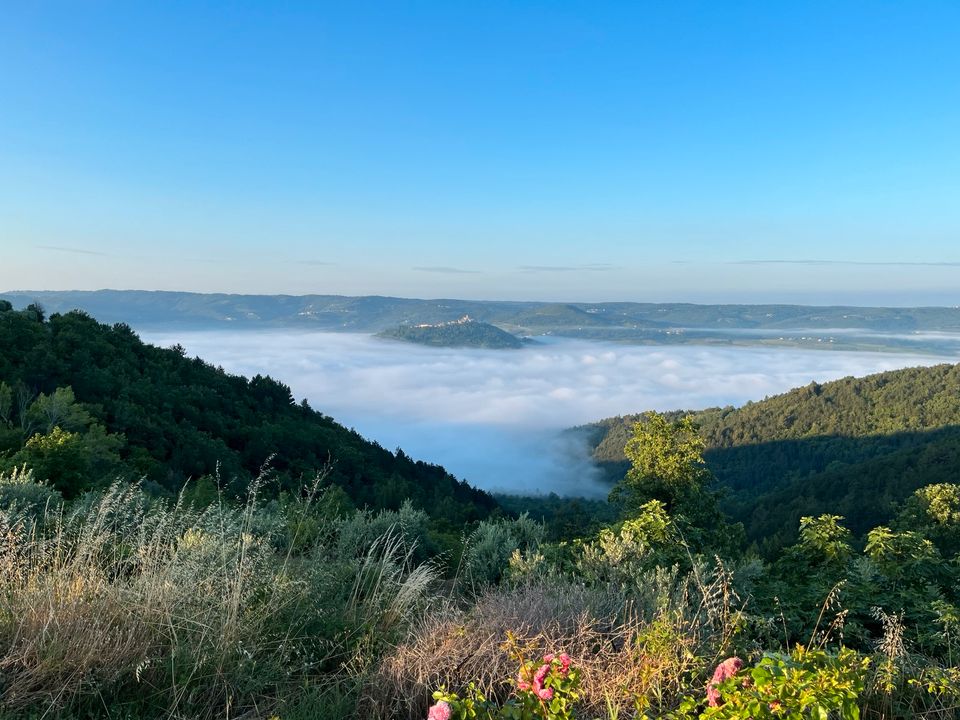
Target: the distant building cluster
(462, 321)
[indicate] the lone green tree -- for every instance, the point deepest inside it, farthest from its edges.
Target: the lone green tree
(667, 465)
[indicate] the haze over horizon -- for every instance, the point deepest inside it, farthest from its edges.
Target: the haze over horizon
(590, 152)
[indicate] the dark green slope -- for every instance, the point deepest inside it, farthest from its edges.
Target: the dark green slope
(855, 447)
(181, 418)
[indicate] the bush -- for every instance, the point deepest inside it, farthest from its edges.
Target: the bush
(490, 547)
(630, 656)
(19, 491)
(805, 683)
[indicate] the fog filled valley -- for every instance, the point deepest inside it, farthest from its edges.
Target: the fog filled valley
(496, 419)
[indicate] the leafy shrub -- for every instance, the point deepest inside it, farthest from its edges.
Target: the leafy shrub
(490, 547)
(544, 689)
(806, 683)
(357, 532)
(624, 557)
(19, 491)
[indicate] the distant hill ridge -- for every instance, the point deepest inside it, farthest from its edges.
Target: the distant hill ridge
(854, 447)
(376, 313)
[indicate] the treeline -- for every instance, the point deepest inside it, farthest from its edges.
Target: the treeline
(82, 403)
(855, 447)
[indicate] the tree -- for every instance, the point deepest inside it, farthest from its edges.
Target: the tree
(6, 404)
(667, 465)
(35, 312)
(824, 540)
(69, 461)
(58, 409)
(934, 512)
(23, 396)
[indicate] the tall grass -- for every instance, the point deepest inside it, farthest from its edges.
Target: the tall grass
(123, 606)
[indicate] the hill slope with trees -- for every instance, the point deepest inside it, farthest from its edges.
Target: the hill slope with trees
(82, 402)
(856, 447)
(464, 332)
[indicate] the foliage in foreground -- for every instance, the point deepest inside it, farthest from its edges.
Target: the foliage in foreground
(123, 605)
(119, 605)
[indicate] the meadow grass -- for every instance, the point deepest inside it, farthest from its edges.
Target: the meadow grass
(123, 606)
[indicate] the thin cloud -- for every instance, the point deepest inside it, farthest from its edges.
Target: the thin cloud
(865, 263)
(443, 269)
(593, 267)
(77, 251)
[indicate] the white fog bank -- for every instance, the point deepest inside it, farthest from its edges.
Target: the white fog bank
(492, 417)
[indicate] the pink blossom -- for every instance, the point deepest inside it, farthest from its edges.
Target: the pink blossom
(565, 660)
(725, 670)
(440, 711)
(548, 658)
(538, 677)
(523, 685)
(540, 674)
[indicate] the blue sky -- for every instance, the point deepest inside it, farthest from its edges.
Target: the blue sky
(706, 151)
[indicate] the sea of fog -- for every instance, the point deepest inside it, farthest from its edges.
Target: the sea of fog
(494, 417)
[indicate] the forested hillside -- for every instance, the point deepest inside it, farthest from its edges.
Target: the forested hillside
(460, 333)
(856, 447)
(82, 403)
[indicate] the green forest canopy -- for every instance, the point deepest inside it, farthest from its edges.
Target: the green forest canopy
(856, 447)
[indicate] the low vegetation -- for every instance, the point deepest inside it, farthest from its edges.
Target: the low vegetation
(119, 604)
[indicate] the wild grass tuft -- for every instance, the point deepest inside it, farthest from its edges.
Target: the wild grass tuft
(125, 605)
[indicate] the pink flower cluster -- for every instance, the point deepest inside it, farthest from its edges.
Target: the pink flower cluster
(725, 670)
(536, 683)
(440, 711)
